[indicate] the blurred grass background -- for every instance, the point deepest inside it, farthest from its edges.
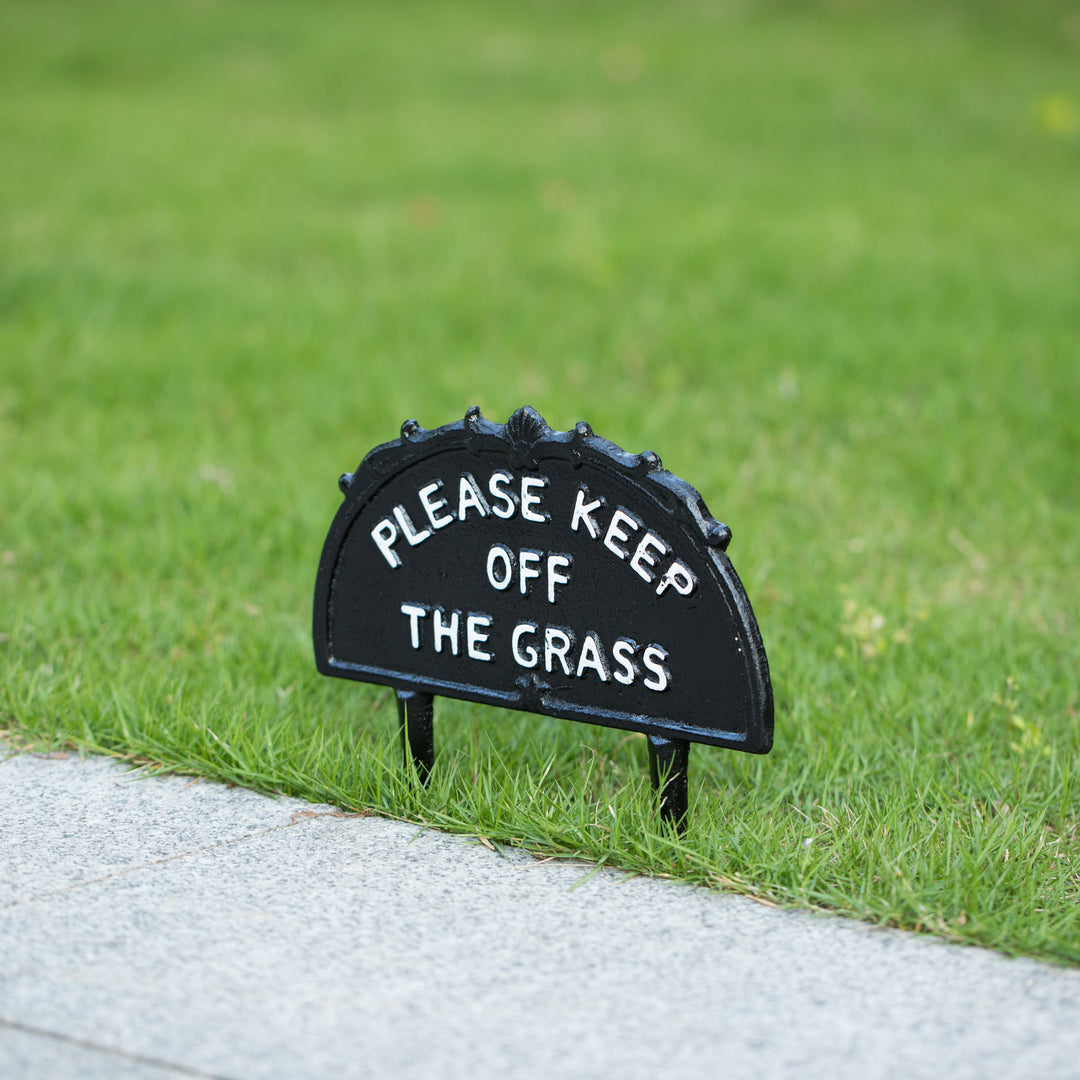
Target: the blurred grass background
(821, 257)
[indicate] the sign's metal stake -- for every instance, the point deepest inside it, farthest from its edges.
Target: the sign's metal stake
(669, 761)
(416, 713)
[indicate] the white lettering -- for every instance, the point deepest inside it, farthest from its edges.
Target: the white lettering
(643, 553)
(615, 532)
(504, 556)
(680, 576)
(433, 506)
(384, 534)
(529, 500)
(528, 566)
(557, 642)
(592, 656)
(653, 658)
(583, 512)
(530, 657)
(447, 631)
(408, 529)
(561, 650)
(470, 496)
(554, 577)
(497, 487)
(623, 650)
(415, 613)
(643, 558)
(474, 638)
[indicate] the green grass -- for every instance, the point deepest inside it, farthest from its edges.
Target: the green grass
(823, 259)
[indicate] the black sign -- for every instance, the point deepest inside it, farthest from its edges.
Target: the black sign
(547, 571)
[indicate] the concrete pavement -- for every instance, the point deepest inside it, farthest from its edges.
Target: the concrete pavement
(154, 928)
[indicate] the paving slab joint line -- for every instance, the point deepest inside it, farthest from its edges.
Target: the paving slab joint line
(112, 1051)
(295, 819)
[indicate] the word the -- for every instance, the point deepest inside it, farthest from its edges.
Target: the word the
(446, 629)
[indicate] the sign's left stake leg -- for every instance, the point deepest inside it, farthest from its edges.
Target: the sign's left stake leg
(416, 713)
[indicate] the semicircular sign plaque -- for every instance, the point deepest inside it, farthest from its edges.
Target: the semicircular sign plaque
(546, 571)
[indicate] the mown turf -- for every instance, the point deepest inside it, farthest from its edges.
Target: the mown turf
(823, 259)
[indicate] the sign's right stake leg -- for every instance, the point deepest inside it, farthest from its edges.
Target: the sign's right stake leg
(669, 760)
(416, 713)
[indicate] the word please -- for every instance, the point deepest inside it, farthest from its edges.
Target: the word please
(553, 647)
(499, 499)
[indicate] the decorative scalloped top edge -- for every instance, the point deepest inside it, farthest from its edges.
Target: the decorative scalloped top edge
(523, 433)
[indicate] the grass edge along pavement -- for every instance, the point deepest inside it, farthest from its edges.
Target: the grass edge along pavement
(593, 821)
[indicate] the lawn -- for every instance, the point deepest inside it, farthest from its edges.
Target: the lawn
(822, 258)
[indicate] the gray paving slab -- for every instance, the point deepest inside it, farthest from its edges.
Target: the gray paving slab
(294, 943)
(66, 820)
(46, 1057)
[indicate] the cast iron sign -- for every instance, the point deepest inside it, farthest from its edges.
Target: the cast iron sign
(547, 571)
